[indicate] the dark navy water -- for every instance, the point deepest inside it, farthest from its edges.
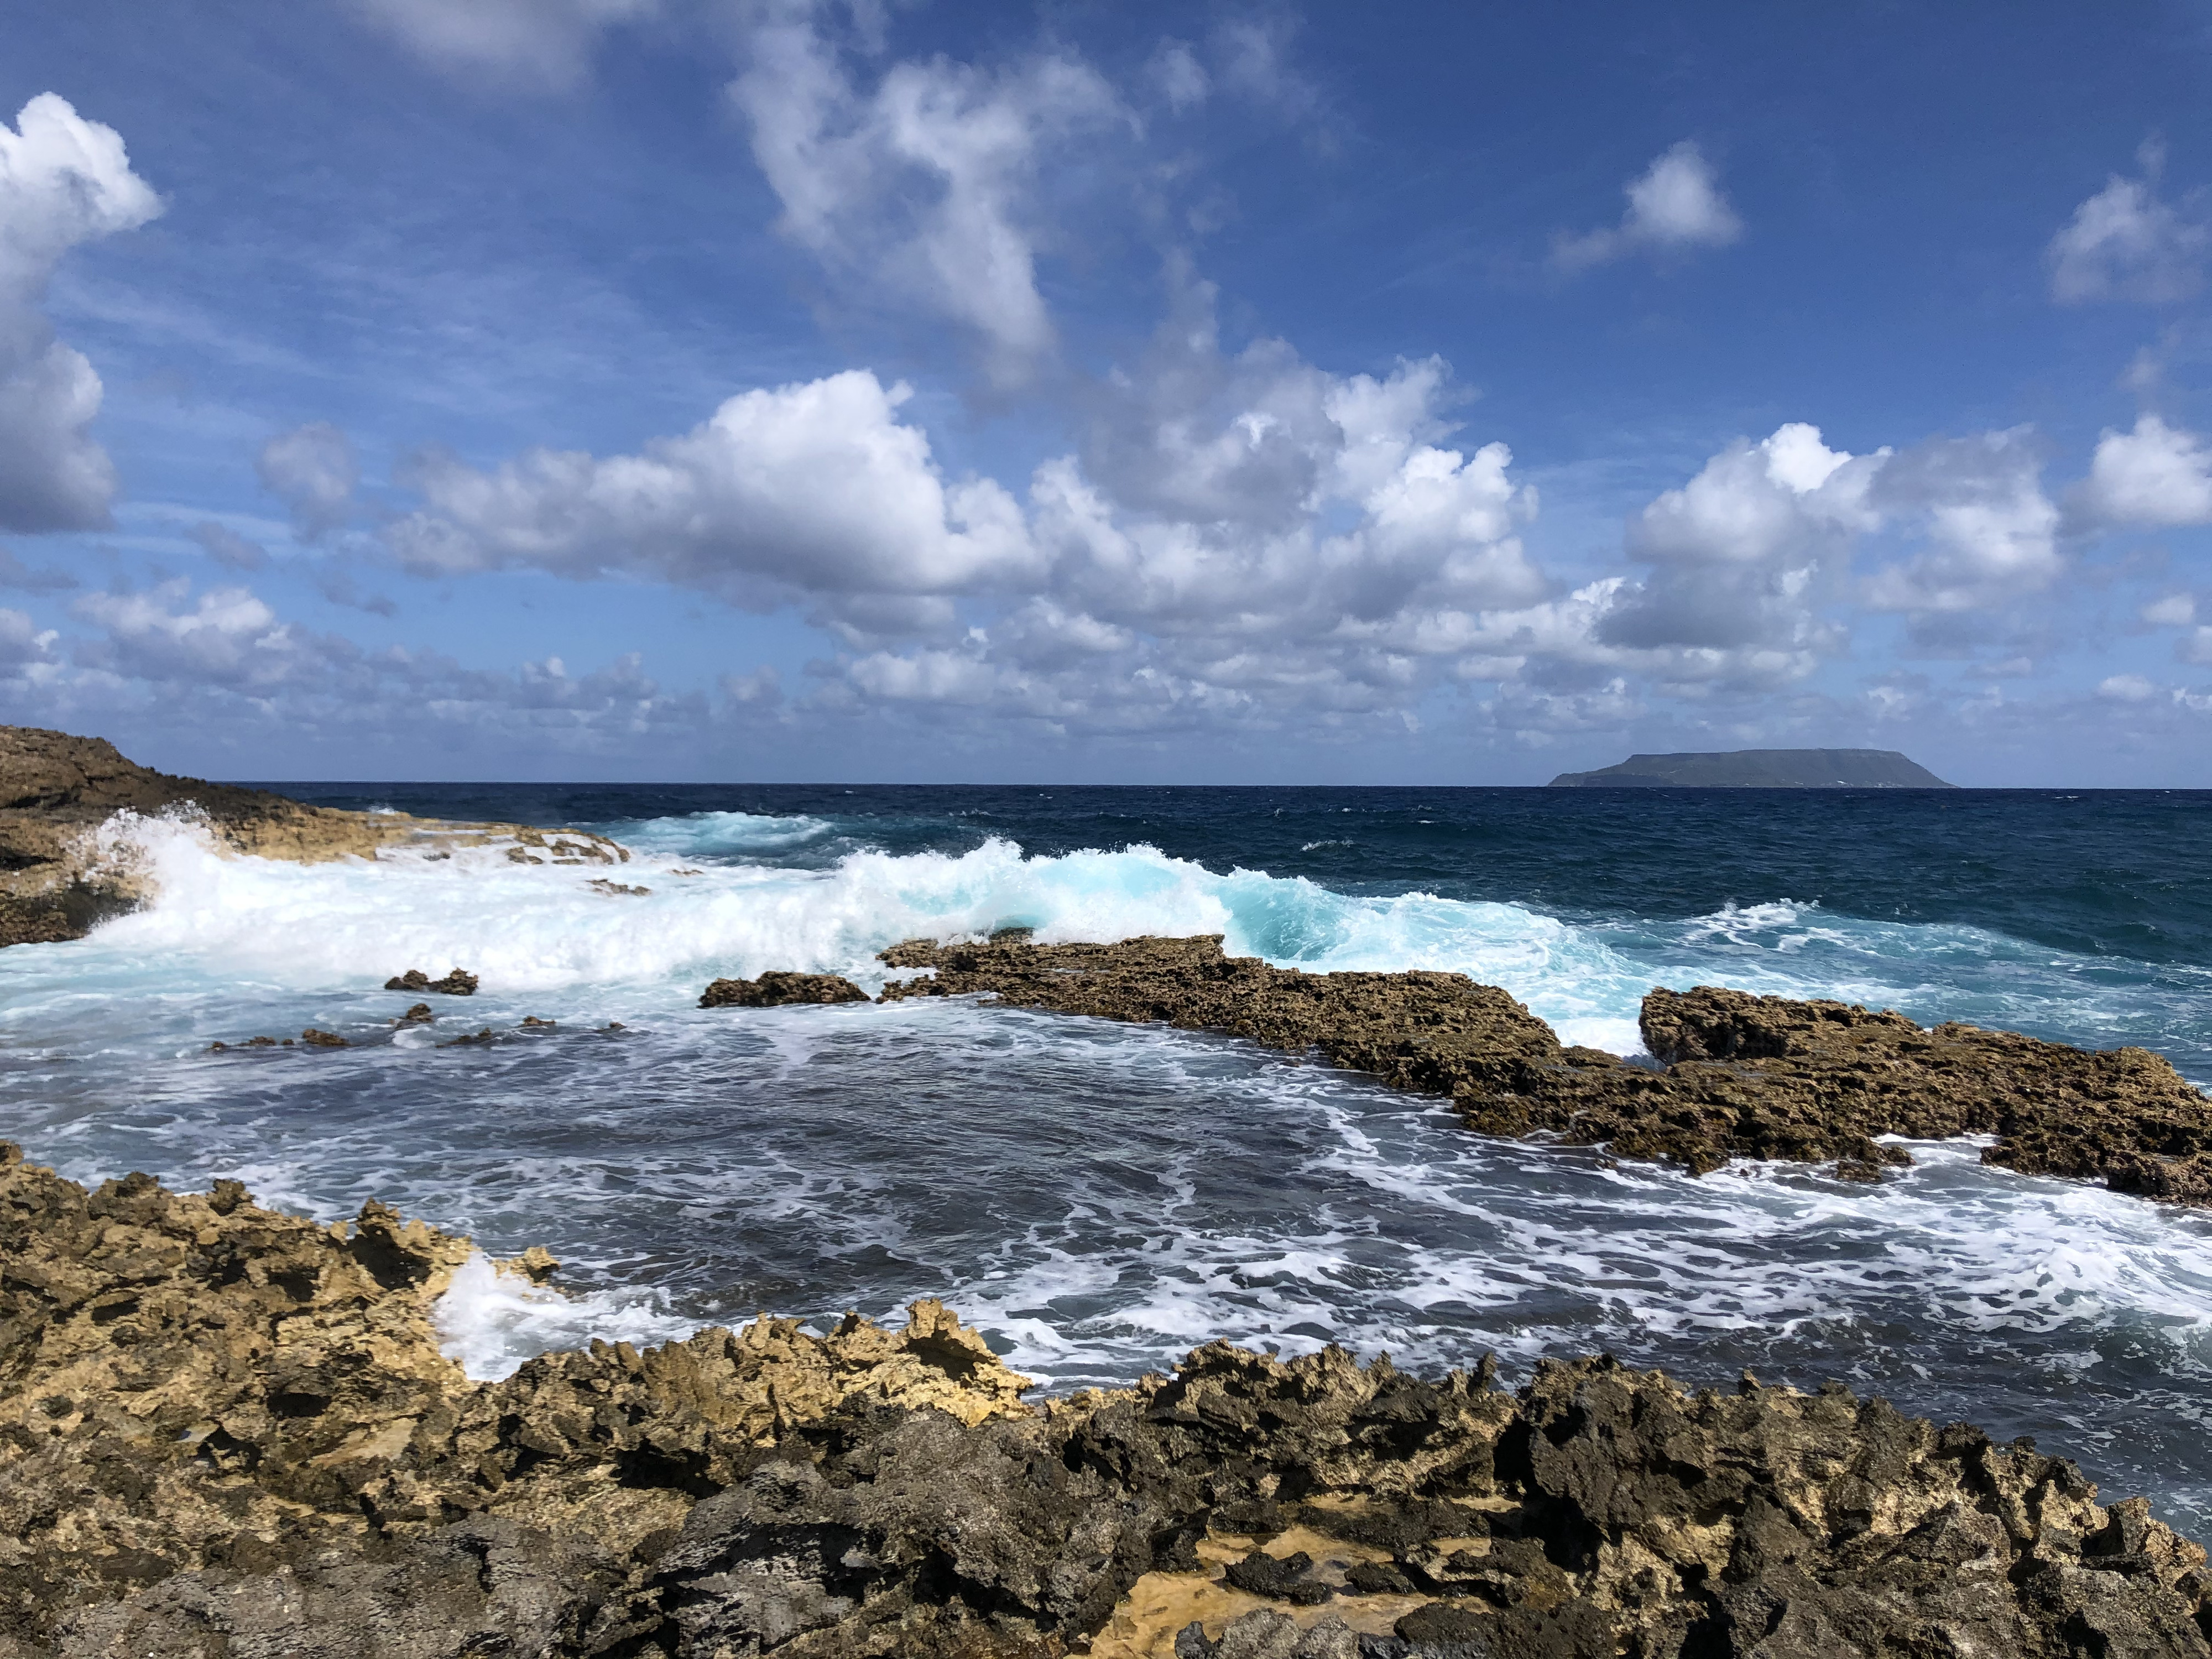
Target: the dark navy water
(1100, 1198)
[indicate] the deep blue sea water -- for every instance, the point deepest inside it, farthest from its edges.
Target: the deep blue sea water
(1100, 1198)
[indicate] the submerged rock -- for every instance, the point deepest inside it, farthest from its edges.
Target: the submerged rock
(226, 1430)
(774, 989)
(1741, 1076)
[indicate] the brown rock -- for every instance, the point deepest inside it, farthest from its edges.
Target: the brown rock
(315, 1039)
(1742, 1076)
(774, 989)
(458, 982)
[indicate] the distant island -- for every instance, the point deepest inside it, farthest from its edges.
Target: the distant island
(1761, 769)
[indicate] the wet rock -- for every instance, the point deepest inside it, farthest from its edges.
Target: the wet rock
(458, 982)
(617, 889)
(469, 1041)
(775, 989)
(532, 1023)
(314, 1039)
(1283, 1578)
(419, 1014)
(58, 882)
(1741, 1076)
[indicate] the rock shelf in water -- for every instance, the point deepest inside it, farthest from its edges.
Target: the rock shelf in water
(225, 1430)
(1740, 1075)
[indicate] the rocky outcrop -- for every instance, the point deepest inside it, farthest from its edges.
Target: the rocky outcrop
(228, 1432)
(57, 790)
(218, 1422)
(775, 989)
(1740, 1075)
(458, 982)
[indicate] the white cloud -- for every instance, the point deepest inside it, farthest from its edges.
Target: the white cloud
(2171, 611)
(230, 638)
(2155, 474)
(2127, 688)
(924, 187)
(23, 643)
(545, 44)
(1674, 205)
(64, 181)
(1238, 536)
(313, 471)
(1989, 532)
(2125, 243)
(1742, 556)
(813, 489)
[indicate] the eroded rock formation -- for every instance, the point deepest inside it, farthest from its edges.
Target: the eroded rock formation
(228, 1432)
(57, 790)
(775, 989)
(1740, 1075)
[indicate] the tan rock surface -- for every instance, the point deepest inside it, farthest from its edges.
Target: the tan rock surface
(225, 1432)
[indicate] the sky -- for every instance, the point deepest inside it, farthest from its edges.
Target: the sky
(760, 391)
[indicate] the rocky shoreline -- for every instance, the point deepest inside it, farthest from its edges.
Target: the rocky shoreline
(59, 881)
(231, 1431)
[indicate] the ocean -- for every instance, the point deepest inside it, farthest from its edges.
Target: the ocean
(1100, 1198)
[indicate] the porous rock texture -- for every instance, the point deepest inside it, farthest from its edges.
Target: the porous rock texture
(56, 882)
(775, 989)
(228, 1432)
(1740, 1075)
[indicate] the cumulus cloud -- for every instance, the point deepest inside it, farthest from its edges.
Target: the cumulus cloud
(1235, 532)
(228, 637)
(1674, 205)
(64, 181)
(223, 659)
(2127, 243)
(2155, 474)
(922, 187)
(313, 471)
(23, 643)
(1742, 556)
(815, 488)
(541, 44)
(1988, 532)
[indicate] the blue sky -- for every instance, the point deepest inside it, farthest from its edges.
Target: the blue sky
(688, 389)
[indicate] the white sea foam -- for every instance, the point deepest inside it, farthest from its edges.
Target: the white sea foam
(488, 1322)
(538, 929)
